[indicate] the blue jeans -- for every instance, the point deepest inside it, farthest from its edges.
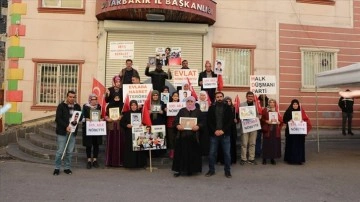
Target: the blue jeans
(225, 143)
(61, 142)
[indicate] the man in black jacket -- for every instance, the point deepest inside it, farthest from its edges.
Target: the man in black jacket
(219, 122)
(158, 76)
(64, 113)
(346, 106)
(208, 73)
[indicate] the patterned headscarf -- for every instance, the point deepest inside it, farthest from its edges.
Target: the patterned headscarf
(190, 105)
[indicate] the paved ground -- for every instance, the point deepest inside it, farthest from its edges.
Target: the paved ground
(331, 175)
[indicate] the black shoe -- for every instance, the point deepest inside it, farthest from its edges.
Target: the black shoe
(189, 174)
(210, 173)
(344, 133)
(228, 174)
(273, 162)
(242, 162)
(177, 174)
(88, 165)
(350, 133)
(264, 162)
(68, 171)
(95, 164)
(56, 172)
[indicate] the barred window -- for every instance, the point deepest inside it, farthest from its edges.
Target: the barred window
(315, 61)
(53, 81)
(238, 63)
(74, 4)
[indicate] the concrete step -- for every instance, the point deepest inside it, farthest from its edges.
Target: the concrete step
(45, 143)
(51, 135)
(27, 147)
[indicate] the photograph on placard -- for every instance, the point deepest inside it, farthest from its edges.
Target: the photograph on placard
(296, 116)
(95, 115)
(114, 113)
(175, 56)
(165, 97)
(247, 112)
(149, 137)
(273, 117)
(152, 61)
(188, 123)
(219, 66)
(74, 120)
(135, 119)
(204, 106)
(183, 94)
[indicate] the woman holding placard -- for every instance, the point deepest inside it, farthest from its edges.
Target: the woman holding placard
(271, 123)
(187, 157)
(295, 142)
(132, 159)
(91, 112)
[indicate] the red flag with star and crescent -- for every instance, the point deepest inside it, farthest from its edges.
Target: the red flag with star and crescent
(99, 90)
(257, 104)
(193, 92)
(146, 119)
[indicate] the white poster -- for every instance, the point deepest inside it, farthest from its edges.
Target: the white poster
(297, 128)
(165, 97)
(173, 108)
(249, 125)
(263, 84)
(247, 112)
(95, 128)
(210, 82)
(180, 76)
(219, 66)
(74, 120)
(121, 50)
(138, 92)
(183, 94)
(149, 137)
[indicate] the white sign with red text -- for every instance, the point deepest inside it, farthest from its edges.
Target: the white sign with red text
(180, 76)
(121, 50)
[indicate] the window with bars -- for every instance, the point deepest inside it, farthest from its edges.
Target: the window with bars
(70, 4)
(237, 67)
(315, 61)
(54, 81)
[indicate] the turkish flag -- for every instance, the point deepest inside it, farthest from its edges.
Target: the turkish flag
(237, 103)
(306, 119)
(220, 82)
(99, 90)
(146, 111)
(126, 106)
(193, 93)
(257, 104)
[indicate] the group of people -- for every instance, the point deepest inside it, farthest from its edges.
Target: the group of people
(214, 133)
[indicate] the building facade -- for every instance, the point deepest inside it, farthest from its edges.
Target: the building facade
(57, 45)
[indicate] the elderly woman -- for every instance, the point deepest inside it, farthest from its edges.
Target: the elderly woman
(91, 142)
(132, 159)
(295, 143)
(203, 105)
(187, 157)
(271, 130)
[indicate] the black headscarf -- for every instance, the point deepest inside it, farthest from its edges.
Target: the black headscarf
(137, 106)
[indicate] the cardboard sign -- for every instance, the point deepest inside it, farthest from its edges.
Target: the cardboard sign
(297, 128)
(173, 108)
(263, 84)
(180, 76)
(74, 120)
(219, 66)
(121, 50)
(149, 138)
(136, 92)
(209, 82)
(95, 128)
(249, 125)
(247, 112)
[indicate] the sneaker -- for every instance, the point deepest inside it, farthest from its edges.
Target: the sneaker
(228, 175)
(210, 173)
(95, 164)
(88, 165)
(177, 174)
(252, 162)
(273, 162)
(68, 171)
(242, 162)
(56, 172)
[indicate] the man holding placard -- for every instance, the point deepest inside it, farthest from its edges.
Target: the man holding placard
(208, 73)
(250, 124)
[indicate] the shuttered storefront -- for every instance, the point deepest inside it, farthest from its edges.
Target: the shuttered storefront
(145, 43)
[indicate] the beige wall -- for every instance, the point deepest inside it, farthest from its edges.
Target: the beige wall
(252, 22)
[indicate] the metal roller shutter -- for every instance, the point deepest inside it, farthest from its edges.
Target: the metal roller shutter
(144, 47)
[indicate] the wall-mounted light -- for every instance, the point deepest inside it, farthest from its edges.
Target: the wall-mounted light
(155, 17)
